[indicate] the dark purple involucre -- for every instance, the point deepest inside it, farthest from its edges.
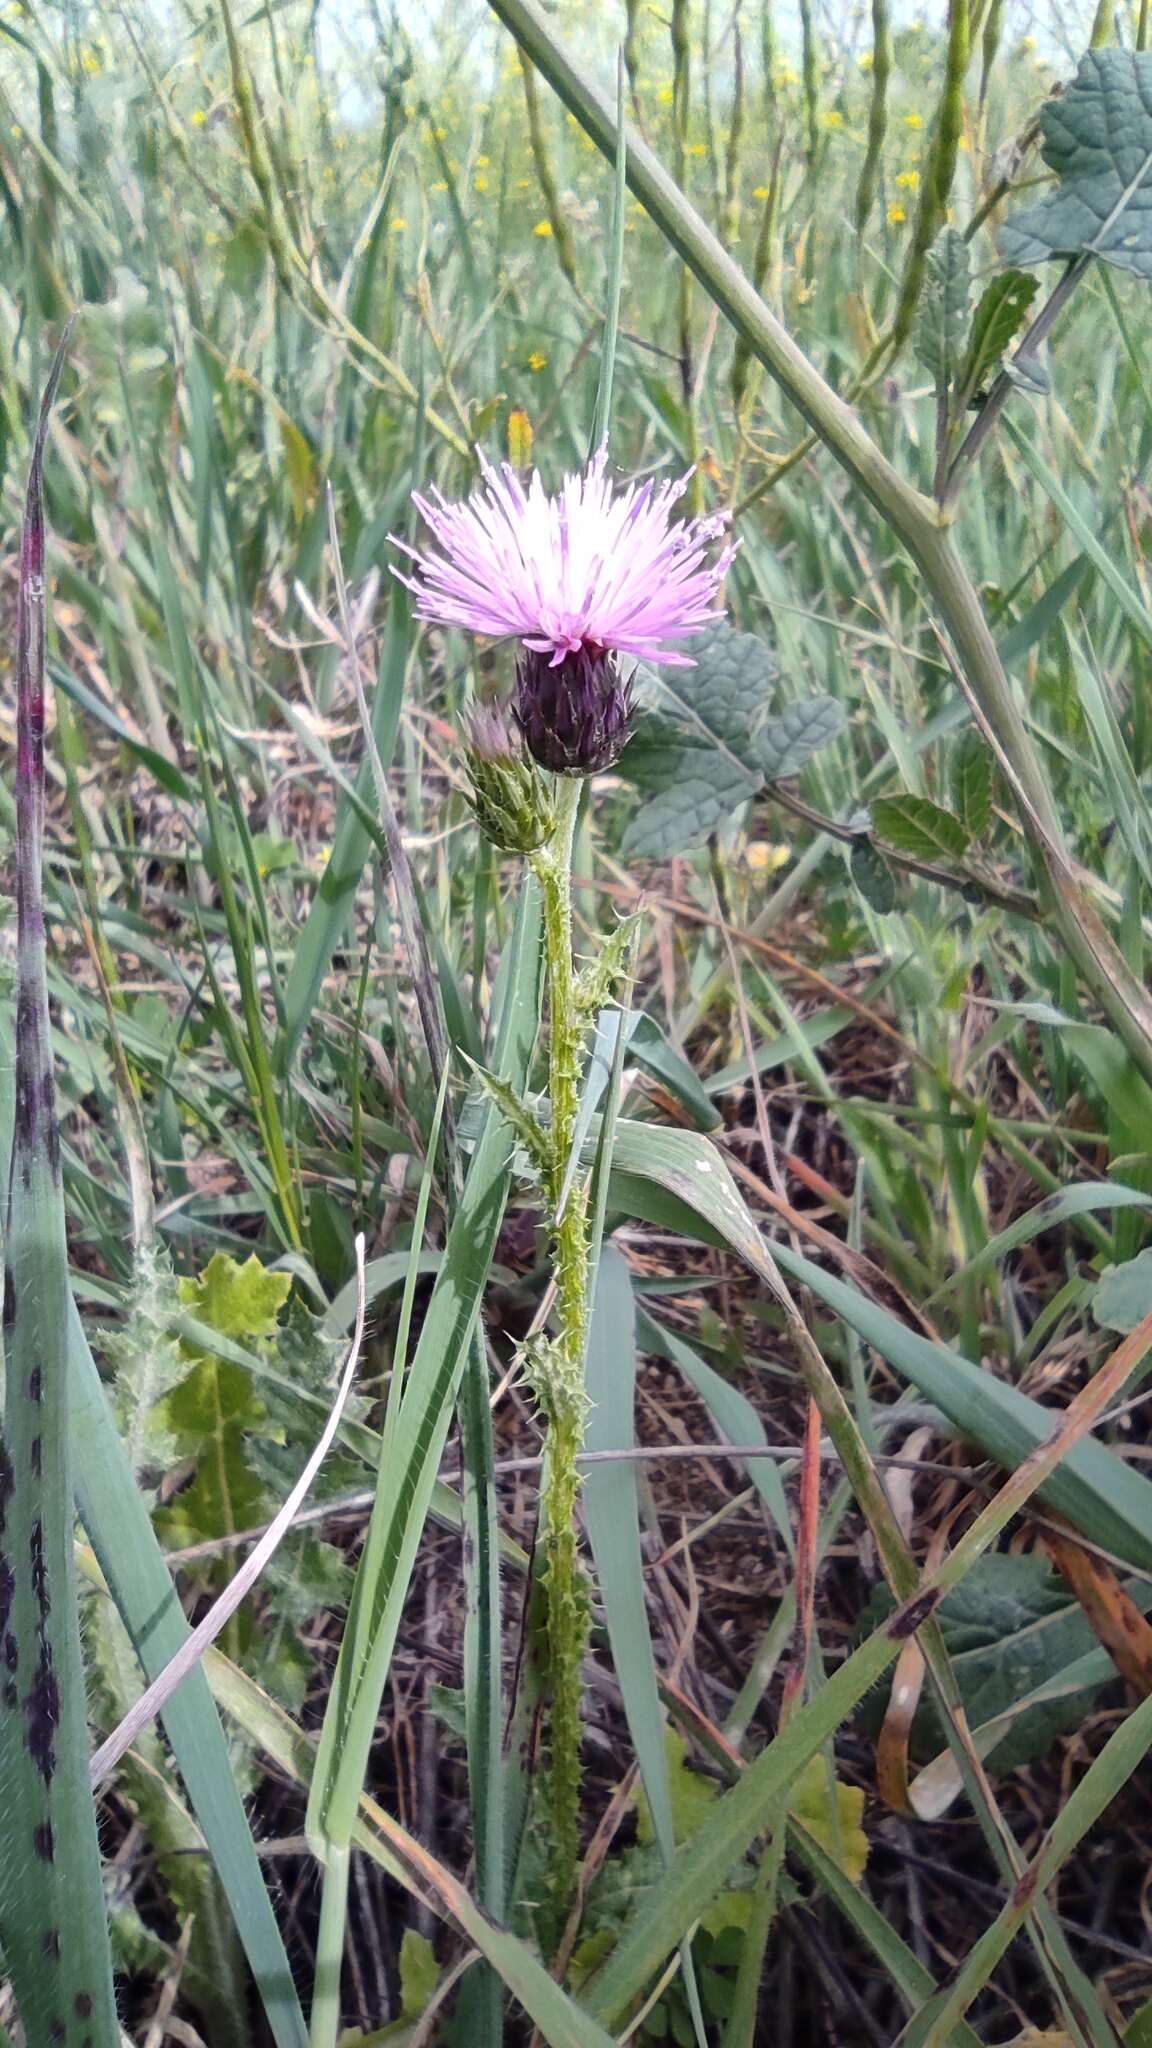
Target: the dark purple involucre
(575, 714)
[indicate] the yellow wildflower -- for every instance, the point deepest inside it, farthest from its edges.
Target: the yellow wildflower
(895, 215)
(483, 162)
(441, 134)
(913, 120)
(696, 149)
(908, 180)
(760, 191)
(199, 118)
(763, 858)
(536, 361)
(481, 184)
(833, 118)
(665, 95)
(543, 228)
(398, 224)
(441, 185)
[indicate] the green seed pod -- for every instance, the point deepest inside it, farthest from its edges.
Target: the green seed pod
(508, 794)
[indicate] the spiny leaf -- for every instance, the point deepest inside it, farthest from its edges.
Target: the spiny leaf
(997, 320)
(1098, 140)
(915, 825)
(938, 336)
(239, 1301)
(516, 1113)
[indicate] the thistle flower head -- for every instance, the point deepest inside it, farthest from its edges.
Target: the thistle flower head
(506, 790)
(591, 567)
(575, 714)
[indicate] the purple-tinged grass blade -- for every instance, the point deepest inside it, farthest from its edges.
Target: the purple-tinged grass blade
(53, 1929)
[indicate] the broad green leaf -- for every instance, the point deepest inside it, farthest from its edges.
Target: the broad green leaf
(998, 318)
(211, 1414)
(1011, 1629)
(690, 791)
(1123, 1296)
(1098, 140)
(942, 317)
(419, 1973)
(842, 1838)
(1139, 2033)
(915, 825)
(705, 742)
(971, 781)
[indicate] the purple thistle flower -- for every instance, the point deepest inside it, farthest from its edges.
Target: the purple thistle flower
(590, 569)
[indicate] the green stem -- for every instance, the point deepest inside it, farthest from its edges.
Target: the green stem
(560, 1383)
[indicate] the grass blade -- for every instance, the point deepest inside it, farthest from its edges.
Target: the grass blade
(53, 1928)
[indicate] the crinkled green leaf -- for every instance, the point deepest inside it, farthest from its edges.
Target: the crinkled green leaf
(705, 742)
(788, 739)
(690, 791)
(1011, 1628)
(1098, 140)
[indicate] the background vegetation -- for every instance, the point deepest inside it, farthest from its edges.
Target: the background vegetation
(314, 263)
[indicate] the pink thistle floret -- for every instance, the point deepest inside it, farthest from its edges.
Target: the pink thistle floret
(592, 567)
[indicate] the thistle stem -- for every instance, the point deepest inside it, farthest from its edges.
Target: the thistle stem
(560, 1381)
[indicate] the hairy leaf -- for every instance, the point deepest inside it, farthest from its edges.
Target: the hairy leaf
(938, 336)
(997, 320)
(972, 783)
(915, 825)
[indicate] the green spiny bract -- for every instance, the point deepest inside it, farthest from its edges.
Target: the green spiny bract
(507, 792)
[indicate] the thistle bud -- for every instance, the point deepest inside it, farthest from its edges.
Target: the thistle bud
(576, 714)
(508, 796)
